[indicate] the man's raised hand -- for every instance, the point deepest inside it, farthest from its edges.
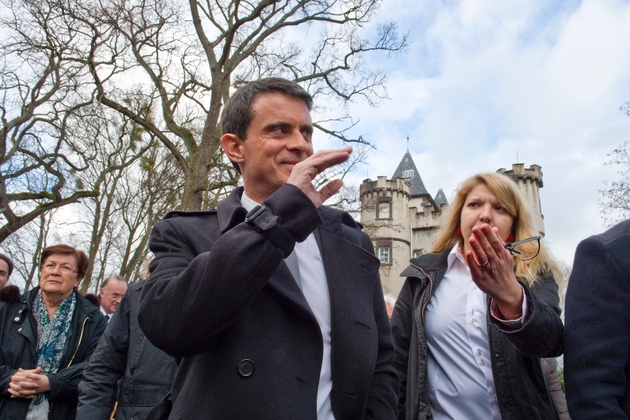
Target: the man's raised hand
(304, 172)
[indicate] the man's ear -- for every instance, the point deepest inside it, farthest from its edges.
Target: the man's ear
(231, 145)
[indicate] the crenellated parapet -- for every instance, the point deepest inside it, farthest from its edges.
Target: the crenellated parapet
(384, 187)
(519, 173)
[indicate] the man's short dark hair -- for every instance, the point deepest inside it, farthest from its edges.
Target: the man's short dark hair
(114, 277)
(9, 263)
(237, 112)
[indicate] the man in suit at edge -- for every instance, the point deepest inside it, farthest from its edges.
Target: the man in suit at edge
(272, 301)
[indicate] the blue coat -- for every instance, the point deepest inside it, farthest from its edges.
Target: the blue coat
(597, 334)
(18, 343)
(221, 297)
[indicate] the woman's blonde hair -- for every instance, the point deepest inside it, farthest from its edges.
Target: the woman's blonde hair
(508, 194)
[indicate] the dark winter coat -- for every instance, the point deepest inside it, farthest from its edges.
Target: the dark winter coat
(519, 381)
(124, 352)
(597, 336)
(221, 297)
(18, 341)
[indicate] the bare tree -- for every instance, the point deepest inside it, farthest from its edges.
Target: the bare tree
(40, 90)
(615, 198)
(187, 70)
(165, 68)
(123, 217)
(155, 191)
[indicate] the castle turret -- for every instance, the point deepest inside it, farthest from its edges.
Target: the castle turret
(529, 181)
(384, 205)
(402, 219)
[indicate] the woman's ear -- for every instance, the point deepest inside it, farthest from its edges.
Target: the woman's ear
(231, 145)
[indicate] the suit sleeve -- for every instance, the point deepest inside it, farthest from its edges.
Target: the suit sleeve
(192, 296)
(597, 336)
(98, 388)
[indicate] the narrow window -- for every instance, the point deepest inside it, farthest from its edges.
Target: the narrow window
(384, 254)
(384, 208)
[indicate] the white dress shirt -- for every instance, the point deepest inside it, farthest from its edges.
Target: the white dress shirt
(314, 285)
(461, 384)
(108, 316)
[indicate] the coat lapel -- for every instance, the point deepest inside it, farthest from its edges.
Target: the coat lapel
(351, 271)
(282, 280)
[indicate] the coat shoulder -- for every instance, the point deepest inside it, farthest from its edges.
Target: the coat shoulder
(341, 216)
(199, 213)
(618, 235)
(10, 294)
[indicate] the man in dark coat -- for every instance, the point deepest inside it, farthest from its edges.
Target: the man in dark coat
(272, 300)
(125, 371)
(597, 327)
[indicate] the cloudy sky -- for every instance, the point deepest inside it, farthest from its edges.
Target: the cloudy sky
(489, 83)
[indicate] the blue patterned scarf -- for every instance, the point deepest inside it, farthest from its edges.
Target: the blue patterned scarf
(53, 334)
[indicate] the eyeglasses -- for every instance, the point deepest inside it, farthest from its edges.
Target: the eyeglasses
(526, 249)
(65, 269)
(114, 296)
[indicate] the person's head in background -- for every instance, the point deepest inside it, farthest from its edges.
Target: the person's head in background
(6, 269)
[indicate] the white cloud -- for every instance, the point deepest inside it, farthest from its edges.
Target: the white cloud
(486, 80)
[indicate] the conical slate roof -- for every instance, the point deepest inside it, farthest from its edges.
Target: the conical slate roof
(440, 198)
(408, 171)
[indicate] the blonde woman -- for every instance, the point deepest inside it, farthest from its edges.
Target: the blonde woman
(474, 317)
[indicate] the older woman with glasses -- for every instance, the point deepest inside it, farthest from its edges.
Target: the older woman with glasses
(475, 315)
(46, 337)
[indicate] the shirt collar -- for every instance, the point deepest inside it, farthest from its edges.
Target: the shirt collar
(456, 254)
(247, 202)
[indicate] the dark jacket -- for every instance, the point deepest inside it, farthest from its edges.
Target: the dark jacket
(519, 380)
(597, 336)
(124, 352)
(18, 338)
(221, 297)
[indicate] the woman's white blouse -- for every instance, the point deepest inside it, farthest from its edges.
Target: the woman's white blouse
(461, 385)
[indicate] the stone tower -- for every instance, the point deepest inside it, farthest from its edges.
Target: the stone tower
(529, 181)
(403, 219)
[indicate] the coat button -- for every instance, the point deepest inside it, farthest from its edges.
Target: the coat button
(245, 368)
(16, 319)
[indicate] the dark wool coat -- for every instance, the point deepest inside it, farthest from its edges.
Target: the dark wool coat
(221, 297)
(518, 378)
(18, 344)
(597, 334)
(125, 368)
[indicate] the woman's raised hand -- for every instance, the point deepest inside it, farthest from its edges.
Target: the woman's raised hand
(492, 270)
